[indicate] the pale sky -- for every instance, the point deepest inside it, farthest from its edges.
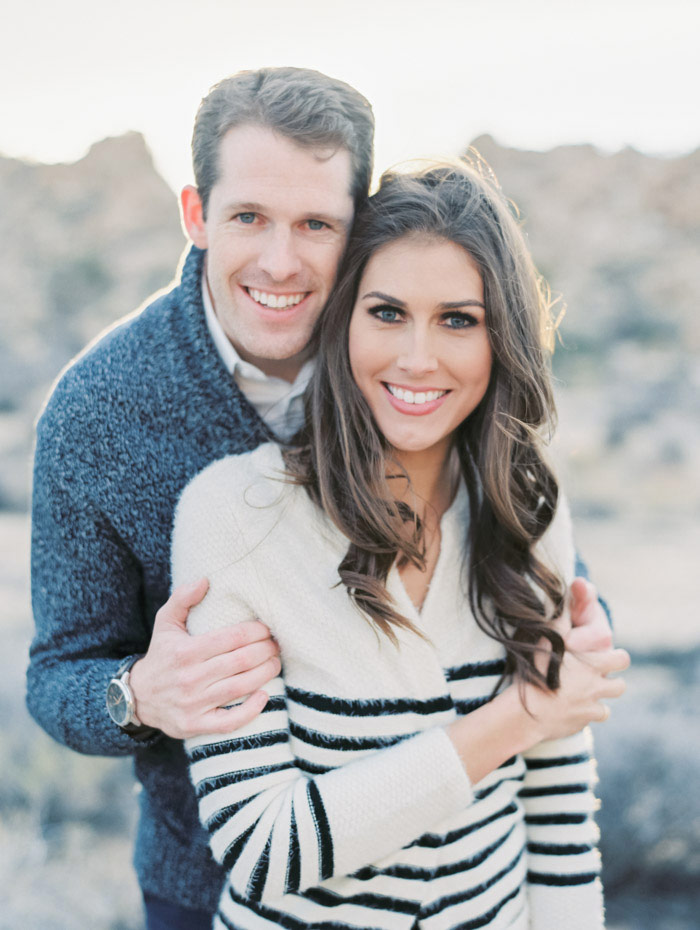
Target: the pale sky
(533, 73)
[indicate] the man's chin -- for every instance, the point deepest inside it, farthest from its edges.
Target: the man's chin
(277, 358)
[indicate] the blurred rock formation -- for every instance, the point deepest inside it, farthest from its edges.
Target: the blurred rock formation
(83, 244)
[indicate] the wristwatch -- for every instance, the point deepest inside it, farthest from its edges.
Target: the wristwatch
(121, 705)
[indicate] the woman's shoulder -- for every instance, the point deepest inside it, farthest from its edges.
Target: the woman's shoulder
(224, 477)
(229, 507)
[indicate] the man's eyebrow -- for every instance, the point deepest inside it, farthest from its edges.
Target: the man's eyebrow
(244, 207)
(446, 305)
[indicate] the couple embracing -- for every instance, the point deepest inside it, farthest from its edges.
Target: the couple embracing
(332, 424)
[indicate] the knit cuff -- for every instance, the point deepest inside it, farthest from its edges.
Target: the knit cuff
(576, 907)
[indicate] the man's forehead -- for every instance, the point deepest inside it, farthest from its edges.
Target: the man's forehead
(257, 165)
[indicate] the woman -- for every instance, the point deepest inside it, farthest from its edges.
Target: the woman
(421, 763)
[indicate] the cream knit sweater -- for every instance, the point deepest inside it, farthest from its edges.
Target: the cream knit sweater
(344, 803)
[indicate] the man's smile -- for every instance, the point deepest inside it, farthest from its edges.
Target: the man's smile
(276, 301)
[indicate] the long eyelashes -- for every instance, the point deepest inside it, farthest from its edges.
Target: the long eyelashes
(454, 319)
(460, 320)
(385, 313)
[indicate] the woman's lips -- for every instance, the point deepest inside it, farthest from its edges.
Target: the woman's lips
(413, 402)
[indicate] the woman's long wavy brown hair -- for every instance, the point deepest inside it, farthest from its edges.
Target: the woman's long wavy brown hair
(342, 459)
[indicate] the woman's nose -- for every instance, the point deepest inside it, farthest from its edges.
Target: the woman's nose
(418, 355)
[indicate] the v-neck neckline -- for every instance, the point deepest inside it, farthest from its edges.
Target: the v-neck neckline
(453, 524)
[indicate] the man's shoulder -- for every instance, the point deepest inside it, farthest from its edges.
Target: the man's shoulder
(139, 352)
(111, 356)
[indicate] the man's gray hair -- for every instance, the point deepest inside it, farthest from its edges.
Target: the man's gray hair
(307, 106)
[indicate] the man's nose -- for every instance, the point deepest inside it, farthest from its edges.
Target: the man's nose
(417, 354)
(279, 257)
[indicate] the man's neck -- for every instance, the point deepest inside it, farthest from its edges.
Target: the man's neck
(286, 369)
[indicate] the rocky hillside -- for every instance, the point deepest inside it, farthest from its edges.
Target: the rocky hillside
(83, 244)
(618, 236)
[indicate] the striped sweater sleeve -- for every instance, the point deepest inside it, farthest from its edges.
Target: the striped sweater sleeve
(275, 828)
(563, 862)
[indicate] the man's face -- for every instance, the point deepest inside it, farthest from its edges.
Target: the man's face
(277, 221)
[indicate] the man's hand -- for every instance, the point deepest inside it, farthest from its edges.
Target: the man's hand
(183, 682)
(590, 628)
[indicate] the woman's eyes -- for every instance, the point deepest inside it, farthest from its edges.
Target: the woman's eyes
(246, 218)
(459, 320)
(386, 313)
(316, 224)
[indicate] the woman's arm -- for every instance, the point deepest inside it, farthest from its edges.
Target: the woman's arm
(563, 862)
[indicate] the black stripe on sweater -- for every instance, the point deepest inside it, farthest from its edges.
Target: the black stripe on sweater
(217, 820)
(558, 760)
(377, 707)
(343, 743)
(279, 918)
(256, 883)
(261, 741)
(555, 849)
(293, 862)
(425, 874)
(475, 670)
(278, 702)
(548, 790)
(550, 820)
(207, 785)
(311, 768)
(487, 918)
(382, 902)
(539, 878)
(461, 896)
(323, 830)
(468, 706)
(435, 840)
(234, 850)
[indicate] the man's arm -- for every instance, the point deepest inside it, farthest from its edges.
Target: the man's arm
(183, 684)
(88, 603)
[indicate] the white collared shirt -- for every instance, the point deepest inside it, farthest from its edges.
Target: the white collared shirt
(279, 403)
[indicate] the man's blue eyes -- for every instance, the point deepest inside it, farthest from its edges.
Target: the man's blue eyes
(249, 218)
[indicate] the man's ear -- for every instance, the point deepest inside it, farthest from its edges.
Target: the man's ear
(192, 216)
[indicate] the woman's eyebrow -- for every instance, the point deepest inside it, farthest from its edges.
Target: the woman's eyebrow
(380, 296)
(456, 304)
(446, 305)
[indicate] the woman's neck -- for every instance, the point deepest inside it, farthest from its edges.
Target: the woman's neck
(432, 483)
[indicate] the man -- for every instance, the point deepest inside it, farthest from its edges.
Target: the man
(213, 367)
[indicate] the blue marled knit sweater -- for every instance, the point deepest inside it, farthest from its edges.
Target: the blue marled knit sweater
(129, 423)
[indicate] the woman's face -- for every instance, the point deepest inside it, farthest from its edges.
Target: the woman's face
(418, 345)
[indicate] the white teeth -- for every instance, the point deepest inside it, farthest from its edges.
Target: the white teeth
(275, 301)
(421, 397)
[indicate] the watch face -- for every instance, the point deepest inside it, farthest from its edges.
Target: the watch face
(118, 703)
